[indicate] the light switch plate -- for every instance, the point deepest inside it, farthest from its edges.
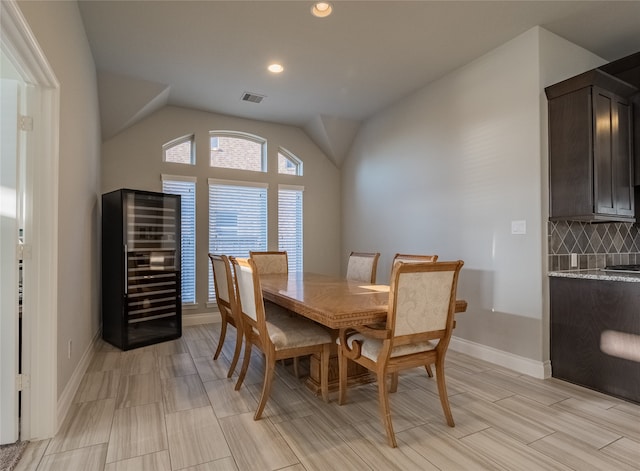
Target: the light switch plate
(518, 227)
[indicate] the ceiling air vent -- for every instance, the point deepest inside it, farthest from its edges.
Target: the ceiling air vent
(252, 97)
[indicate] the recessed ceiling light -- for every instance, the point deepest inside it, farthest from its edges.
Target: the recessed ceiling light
(321, 9)
(275, 68)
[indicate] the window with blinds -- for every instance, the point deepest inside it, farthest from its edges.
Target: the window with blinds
(186, 188)
(237, 219)
(290, 224)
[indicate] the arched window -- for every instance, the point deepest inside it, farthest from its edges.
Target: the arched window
(288, 164)
(238, 150)
(238, 216)
(180, 151)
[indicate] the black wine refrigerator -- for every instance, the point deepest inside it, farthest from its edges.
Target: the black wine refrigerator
(141, 286)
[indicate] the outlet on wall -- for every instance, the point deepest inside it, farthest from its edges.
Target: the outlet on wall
(69, 350)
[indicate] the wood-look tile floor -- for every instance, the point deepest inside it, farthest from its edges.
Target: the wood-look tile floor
(170, 406)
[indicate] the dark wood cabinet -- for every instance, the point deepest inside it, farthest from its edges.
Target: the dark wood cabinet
(627, 69)
(612, 154)
(590, 149)
(595, 330)
(141, 294)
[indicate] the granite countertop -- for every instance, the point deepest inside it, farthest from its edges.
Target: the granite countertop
(598, 274)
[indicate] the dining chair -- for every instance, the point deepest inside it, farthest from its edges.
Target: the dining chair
(420, 318)
(269, 263)
(273, 263)
(362, 266)
(278, 335)
(226, 300)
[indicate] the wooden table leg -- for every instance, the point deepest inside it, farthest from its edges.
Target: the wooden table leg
(356, 374)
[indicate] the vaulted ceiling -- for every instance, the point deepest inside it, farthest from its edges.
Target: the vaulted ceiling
(338, 70)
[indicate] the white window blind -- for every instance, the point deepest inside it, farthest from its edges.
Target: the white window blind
(290, 224)
(237, 219)
(186, 188)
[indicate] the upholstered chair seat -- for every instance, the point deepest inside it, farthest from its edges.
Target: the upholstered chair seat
(287, 331)
(371, 348)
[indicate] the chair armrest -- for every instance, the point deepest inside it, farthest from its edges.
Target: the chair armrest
(354, 351)
(374, 331)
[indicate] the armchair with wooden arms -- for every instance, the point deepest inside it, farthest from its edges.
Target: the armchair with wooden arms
(420, 320)
(403, 257)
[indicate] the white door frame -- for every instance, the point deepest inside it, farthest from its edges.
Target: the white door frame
(40, 261)
(10, 89)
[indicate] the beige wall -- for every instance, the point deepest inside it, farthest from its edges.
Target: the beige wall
(449, 168)
(133, 159)
(58, 29)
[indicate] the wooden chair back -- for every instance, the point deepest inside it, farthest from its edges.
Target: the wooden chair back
(403, 257)
(224, 285)
(363, 266)
(412, 258)
(249, 295)
(269, 263)
(422, 300)
(222, 280)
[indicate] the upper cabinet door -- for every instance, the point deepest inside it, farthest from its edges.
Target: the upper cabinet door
(590, 149)
(612, 154)
(623, 155)
(603, 158)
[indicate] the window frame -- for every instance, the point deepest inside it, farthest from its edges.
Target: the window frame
(287, 154)
(241, 135)
(190, 138)
(264, 212)
(295, 257)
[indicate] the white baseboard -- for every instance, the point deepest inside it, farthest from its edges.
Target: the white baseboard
(201, 318)
(527, 366)
(66, 398)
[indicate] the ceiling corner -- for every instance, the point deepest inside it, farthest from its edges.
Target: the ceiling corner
(126, 100)
(333, 135)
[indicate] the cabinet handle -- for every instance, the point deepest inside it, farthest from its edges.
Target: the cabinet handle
(126, 270)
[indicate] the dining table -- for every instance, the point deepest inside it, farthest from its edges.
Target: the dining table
(336, 303)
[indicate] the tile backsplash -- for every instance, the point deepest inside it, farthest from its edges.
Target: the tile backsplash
(596, 245)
